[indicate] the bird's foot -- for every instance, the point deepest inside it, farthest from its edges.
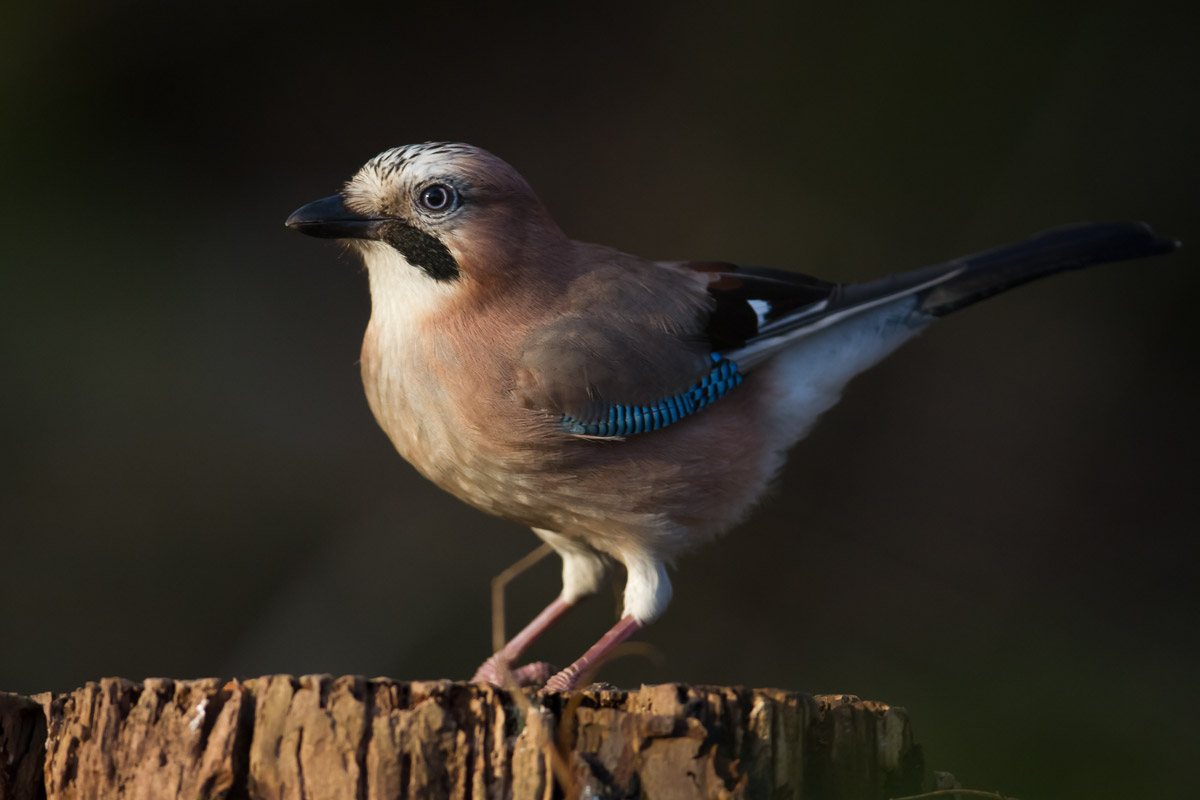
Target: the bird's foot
(493, 671)
(587, 664)
(563, 681)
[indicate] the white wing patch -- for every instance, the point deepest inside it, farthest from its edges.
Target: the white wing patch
(761, 309)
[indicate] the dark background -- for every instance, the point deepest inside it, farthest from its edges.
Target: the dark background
(994, 529)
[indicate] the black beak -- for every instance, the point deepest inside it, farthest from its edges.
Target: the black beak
(328, 218)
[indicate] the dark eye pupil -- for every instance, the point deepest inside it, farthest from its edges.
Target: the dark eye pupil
(436, 198)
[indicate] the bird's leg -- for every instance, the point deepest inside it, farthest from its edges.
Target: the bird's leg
(583, 569)
(595, 656)
(492, 670)
(647, 592)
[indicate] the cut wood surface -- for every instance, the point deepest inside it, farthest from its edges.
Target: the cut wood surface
(319, 737)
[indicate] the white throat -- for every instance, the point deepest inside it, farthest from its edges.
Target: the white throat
(401, 294)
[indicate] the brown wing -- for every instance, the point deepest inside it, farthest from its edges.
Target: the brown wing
(630, 332)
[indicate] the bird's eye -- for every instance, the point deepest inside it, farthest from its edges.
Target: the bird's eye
(437, 198)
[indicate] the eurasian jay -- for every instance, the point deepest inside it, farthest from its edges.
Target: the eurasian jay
(624, 409)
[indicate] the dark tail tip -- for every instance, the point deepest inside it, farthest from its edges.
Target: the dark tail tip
(1075, 246)
(1124, 241)
(1071, 247)
(1162, 244)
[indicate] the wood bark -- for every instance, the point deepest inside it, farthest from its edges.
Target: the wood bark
(319, 737)
(22, 747)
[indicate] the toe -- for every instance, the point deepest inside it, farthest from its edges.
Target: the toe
(563, 681)
(489, 672)
(535, 674)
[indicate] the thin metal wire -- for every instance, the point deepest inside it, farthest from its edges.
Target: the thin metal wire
(500, 582)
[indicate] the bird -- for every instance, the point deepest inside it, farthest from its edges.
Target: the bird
(627, 410)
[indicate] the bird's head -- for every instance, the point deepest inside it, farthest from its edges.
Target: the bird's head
(444, 210)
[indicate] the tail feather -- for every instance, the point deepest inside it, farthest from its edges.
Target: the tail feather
(817, 350)
(931, 292)
(1075, 247)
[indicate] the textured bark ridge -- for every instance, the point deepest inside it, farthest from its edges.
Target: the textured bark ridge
(22, 747)
(319, 737)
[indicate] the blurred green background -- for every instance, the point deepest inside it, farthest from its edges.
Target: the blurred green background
(994, 529)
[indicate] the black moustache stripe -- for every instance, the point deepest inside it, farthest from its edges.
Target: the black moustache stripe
(421, 250)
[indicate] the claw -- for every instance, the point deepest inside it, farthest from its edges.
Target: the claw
(535, 674)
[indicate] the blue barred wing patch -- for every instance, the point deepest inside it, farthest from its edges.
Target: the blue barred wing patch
(626, 420)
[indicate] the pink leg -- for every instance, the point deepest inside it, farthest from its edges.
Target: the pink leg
(569, 677)
(490, 671)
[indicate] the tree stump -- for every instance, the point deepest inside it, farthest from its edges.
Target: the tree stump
(318, 737)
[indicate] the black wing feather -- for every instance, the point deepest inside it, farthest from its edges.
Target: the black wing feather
(736, 291)
(790, 302)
